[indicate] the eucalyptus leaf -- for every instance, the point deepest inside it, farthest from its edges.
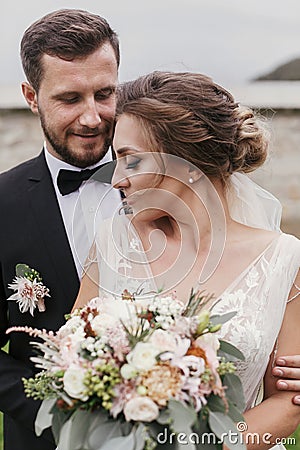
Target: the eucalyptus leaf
(135, 440)
(81, 425)
(102, 429)
(222, 318)
(44, 416)
(234, 390)
(226, 430)
(183, 417)
(234, 413)
(227, 349)
(59, 419)
(164, 417)
(64, 442)
(207, 440)
(216, 403)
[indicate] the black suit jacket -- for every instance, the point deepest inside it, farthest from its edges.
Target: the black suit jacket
(31, 232)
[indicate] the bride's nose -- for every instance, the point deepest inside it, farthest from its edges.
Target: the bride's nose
(119, 181)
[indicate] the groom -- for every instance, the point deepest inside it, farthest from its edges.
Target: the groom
(71, 59)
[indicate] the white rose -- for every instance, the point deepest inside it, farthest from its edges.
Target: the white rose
(102, 321)
(143, 356)
(75, 339)
(73, 383)
(117, 308)
(70, 326)
(163, 341)
(141, 408)
(127, 371)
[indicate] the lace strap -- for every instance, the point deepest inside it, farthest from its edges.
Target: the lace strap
(297, 293)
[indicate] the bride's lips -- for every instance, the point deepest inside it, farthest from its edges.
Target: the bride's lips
(133, 198)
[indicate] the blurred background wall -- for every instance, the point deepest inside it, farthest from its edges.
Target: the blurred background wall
(251, 48)
(21, 138)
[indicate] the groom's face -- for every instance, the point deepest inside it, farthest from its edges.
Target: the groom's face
(76, 105)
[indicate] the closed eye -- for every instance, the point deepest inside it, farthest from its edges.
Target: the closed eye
(104, 94)
(69, 100)
(133, 163)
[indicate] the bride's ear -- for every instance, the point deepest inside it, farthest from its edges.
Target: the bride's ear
(194, 175)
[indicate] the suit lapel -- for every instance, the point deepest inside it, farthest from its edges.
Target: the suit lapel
(48, 217)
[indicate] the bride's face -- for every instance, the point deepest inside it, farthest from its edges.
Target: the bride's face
(149, 179)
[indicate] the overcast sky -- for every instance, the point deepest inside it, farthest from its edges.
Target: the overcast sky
(230, 40)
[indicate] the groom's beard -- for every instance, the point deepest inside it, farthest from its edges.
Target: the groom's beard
(92, 155)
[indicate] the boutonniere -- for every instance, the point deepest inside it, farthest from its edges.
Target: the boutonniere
(30, 291)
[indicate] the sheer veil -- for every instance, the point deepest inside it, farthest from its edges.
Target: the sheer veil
(252, 205)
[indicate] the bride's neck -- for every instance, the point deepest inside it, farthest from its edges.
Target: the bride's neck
(192, 223)
(166, 225)
(166, 230)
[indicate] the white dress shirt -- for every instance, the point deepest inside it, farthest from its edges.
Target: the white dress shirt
(83, 209)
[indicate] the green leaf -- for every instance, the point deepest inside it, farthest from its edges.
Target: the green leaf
(135, 440)
(222, 318)
(59, 419)
(164, 417)
(65, 436)
(44, 416)
(21, 269)
(226, 430)
(86, 430)
(234, 413)
(207, 440)
(216, 404)
(196, 302)
(103, 429)
(183, 417)
(234, 391)
(228, 349)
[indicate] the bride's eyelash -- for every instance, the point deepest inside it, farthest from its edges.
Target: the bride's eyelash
(133, 164)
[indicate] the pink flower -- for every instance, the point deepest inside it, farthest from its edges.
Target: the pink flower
(29, 295)
(210, 353)
(123, 393)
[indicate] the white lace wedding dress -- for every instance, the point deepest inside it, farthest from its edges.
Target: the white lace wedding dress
(258, 295)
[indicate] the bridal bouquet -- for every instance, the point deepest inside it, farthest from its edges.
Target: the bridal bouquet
(133, 375)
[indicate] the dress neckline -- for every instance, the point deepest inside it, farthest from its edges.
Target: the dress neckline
(246, 270)
(275, 240)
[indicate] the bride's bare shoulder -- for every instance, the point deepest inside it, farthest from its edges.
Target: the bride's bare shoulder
(251, 240)
(246, 232)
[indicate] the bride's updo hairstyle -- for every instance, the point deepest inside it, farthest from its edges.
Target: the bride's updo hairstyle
(188, 115)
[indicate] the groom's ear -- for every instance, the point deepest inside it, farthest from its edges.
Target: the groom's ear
(30, 96)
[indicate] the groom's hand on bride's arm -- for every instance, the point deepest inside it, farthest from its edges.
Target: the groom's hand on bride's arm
(287, 370)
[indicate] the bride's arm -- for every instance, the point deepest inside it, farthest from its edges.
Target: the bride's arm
(277, 415)
(88, 287)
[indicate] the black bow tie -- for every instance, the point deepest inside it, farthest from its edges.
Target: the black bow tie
(70, 180)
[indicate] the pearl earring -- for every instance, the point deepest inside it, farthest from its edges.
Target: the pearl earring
(191, 181)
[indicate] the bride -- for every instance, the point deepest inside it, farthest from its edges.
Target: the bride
(192, 218)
